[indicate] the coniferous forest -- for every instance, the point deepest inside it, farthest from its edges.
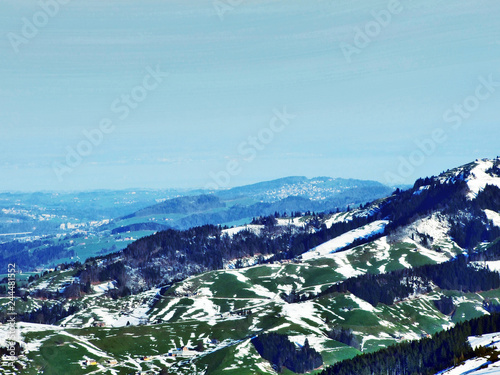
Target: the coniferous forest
(425, 357)
(173, 255)
(281, 352)
(457, 274)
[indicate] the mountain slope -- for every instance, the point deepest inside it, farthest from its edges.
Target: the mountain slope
(44, 229)
(313, 277)
(238, 204)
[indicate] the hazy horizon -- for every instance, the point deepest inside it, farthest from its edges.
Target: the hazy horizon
(185, 189)
(191, 94)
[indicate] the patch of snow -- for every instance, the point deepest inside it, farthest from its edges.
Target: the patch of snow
(493, 265)
(421, 189)
(493, 216)
(203, 309)
(169, 316)
(286, 288)
(491, 340)
(363, 305)
(111, 319)
(435, 225)
(239, 276)
(205, 292)
(403, 261)
(467, 367)
(265, 367)
(21, 329)
(472, 366)
(246, 261)
(284, 325)
(490, 370)
(243, 350)
(296, 221)
(385, 323)
(261, 291)
(478, 178)
(135, 314)
(296, 313)
(435, 256)
(315, 342)
(431, 254)
(345, 239)
(337, 218)
(104, 287)
(382, 253)
(250, 227)
(365, 338)
(168, 308)
(345, 267)
(91, 348)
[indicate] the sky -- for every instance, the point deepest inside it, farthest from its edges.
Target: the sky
(218, 93)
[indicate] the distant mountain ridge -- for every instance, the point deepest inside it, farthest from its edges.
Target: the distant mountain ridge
(61, 227)
(396, 270)
(299, 186)
(456, 210)
(288, 194)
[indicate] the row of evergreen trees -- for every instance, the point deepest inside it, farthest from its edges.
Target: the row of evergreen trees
(205, 248)
(26, 255)
(281, 352)
(387, 288)
(46, 314)
(425, 357)
(345, 336)
(172, 255)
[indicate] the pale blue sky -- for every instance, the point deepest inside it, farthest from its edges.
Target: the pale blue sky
(226, 76)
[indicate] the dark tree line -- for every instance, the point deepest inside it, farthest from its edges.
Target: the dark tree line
(470, 225)
(278, 350)
(425, 357)
(470, 230)
(387, 288)
(73, 290)
(402, 208)
(173, 255)
(491, 253)
(445, 305)
(43, 315)
(25, 258)
(345, 336)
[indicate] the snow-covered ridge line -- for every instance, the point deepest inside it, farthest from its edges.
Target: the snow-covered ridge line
(479, 178)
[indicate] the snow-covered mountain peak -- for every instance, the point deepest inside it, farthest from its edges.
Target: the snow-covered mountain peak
(476, 174)
(485, 172)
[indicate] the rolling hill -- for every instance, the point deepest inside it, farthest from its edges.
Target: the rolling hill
(352, 282)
